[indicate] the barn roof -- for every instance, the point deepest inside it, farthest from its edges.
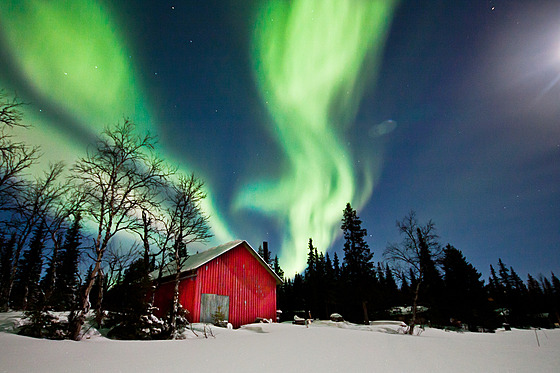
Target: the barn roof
(199, 259)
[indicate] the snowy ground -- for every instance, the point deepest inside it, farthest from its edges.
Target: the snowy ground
(323, 347)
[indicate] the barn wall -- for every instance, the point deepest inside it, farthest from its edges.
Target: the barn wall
(163, 298)
(239, 275)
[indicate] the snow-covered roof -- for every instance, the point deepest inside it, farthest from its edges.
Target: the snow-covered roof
(199, 259)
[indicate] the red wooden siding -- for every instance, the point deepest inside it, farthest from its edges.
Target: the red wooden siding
(242, 277)
(163, 298)
(238, 274)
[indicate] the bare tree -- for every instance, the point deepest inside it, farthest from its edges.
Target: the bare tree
(148, 231)
(59, 215)
(118, 176)
(116, 261)
(184, 223)
(15, 157)
(413, 254)
(32, 206)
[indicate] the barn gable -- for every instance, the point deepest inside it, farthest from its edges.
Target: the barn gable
(196, 260)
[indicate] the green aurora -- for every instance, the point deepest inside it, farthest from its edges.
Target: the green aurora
(310, 59)
(80, 67)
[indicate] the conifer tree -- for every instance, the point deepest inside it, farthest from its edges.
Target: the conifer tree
(131, 310)
(391, 288)
(6, 258)
(390, 282)
(358, 265)
(505, 279)
(277, 269)
(555, 283)
(47, 282)
(26, 283)
(533, 287)
(336, 267)
(329, 286)
(535, 298)
(357, 255)
(405, 292)
(432, 284)
(67, 284)
(312, 279)
(495, 289)
(311, 261)
(555, 296)
(465, 298)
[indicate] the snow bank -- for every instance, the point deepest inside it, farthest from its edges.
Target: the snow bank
(323, 347)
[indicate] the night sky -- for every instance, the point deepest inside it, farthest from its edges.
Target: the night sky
(290, 109)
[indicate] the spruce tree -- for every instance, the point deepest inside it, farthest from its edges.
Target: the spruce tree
(357, 255)
(329, 286)
(311, 260)
(336, 267)
(465, 298)
(555, 297)
(405, 291)
(67, 284)
(48, 281)
(391, 288)
(495, 289)
(129, 302)
(535, 300)
(390, 282)
(277, 269)
(432, 284)
(6, 258)
(358, 265)
(505, 279)
(260, 251)
(312, 278)
(28, 292)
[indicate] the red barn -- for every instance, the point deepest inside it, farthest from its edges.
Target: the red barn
(231, 278)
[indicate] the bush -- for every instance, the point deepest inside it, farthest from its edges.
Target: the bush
(43, 324)
(128, 326)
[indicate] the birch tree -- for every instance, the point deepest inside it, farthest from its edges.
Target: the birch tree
(119, 175)
(184, 222)
(15, 157)
(414, 254)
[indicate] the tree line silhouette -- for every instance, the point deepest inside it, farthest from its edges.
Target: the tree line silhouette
(418, 281)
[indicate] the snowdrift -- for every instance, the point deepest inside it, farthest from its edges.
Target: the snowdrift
(324, 346)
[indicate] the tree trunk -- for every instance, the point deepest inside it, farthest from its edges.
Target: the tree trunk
(414, 305)
(12, 278)
(78, 321)
(145, 241)
(25, 296)
(53, 274)
(175, 308)
(366, 317)
(98, 306)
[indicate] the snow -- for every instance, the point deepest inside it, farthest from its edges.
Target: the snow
(324, 346)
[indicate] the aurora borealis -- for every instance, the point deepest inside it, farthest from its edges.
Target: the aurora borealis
(309, 56)
(290, 109)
